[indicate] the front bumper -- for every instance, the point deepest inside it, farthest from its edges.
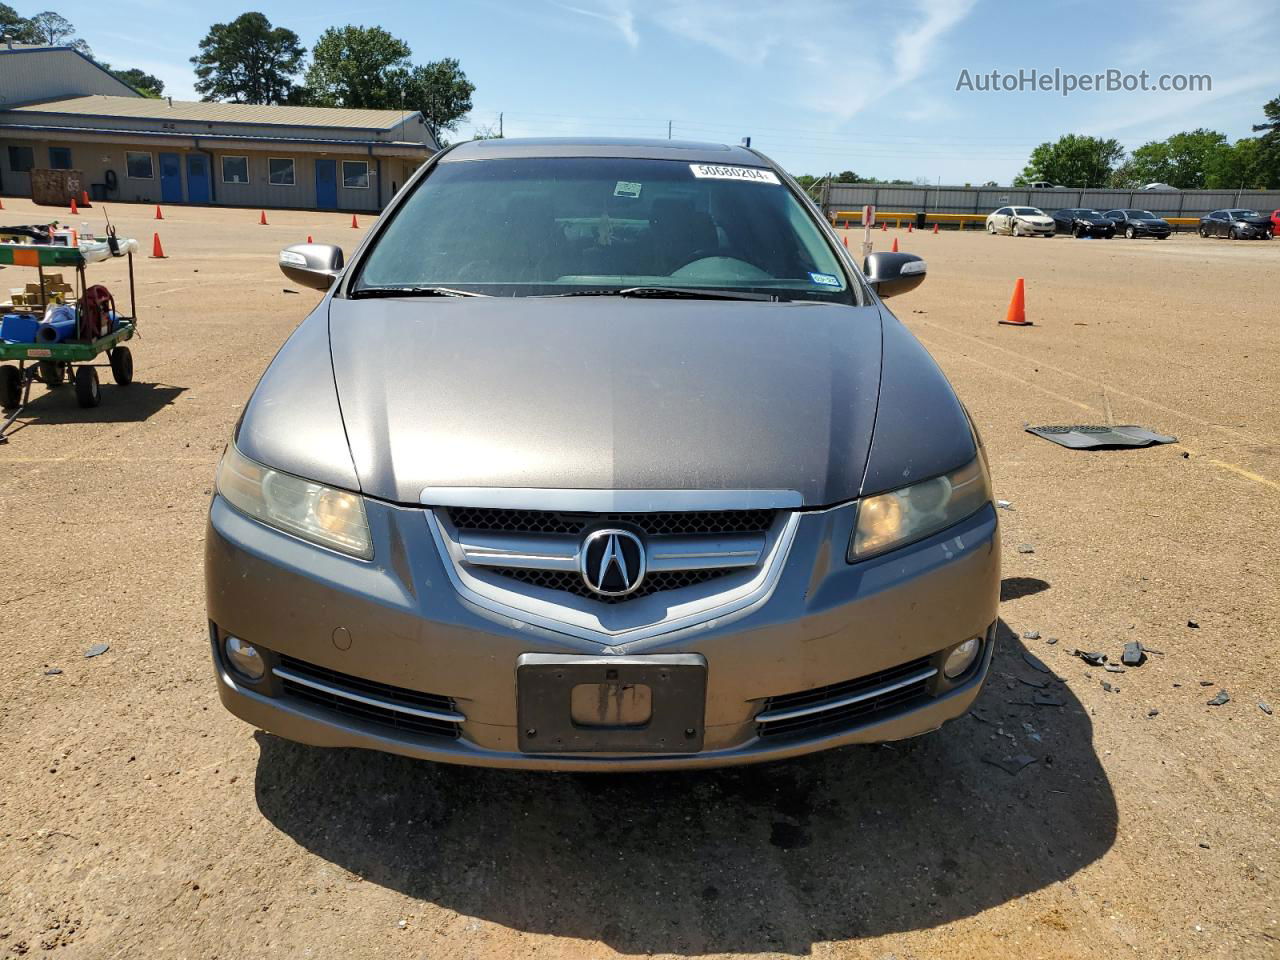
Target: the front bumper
(397, 624)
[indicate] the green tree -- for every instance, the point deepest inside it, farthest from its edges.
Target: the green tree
(440, 90)
(13, 24)
(1267, 166)
(848, 176)
(55, 30)
(1182, 160)
(248, 61)
(1074, 160)
(358, 67)
(144, 83)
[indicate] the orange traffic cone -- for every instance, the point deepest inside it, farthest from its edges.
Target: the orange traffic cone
(895, 245)
(309, 240)
(262, 218)
(1, 204)
(354, 223)
(1017, 313)
(157, 251)
(74, 208)
(935, 229)
(911, 228)
(159, 215)
(845, 239)
(84, 199)
(884, 225)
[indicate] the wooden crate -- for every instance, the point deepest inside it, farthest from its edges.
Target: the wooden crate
(56, 188)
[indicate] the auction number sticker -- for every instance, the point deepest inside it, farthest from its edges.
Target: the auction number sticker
(625, 188)
(713, 171)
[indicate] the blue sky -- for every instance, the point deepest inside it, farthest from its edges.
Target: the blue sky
(820, 85)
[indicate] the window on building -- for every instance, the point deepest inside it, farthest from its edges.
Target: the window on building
(280, 171)
(21, 159)
(235, 170)
(139, 165)
(60, 158)
(355, 174)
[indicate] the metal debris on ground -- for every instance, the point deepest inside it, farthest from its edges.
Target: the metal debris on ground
(1051, 640)
(1091, 657)
(1047, 700)
(1153, 712)
(1264, 707)
(1106, 686)
(1004, 504)
(1031, 635)
(1134, 655)
(1033, 682)
(1206, 683)
(1035, 662)
(1193, 624)
(1011, 764)
(1220, 699)
(96, 650)
(1026, 548)
(1097, 437)
(1114, 668)
(54, 671)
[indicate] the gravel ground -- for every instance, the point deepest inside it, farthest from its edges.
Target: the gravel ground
(137, 818)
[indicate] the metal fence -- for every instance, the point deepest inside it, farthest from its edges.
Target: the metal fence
(944, 199)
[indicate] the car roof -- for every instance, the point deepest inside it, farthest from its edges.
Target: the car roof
(621, 147)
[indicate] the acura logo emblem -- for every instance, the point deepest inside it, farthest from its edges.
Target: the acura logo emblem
(612, 562)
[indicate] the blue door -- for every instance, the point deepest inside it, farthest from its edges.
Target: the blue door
(326, 184)
(197, 178)
(170, 178)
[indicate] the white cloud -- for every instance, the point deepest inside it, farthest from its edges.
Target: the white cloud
(616, 14)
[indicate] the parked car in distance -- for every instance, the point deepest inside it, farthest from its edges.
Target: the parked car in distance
(1045, 185)
(1275, 222)
(590, 484)
(1139, 223)
(1083, 222)
(1020, 222)
(1159, 188)
(1237, 224)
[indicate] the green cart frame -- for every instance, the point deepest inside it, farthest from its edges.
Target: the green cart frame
(54, 363)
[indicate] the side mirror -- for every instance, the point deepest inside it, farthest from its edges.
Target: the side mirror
(312, 265)
(893, 273)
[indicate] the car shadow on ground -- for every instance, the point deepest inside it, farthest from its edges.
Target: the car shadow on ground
(850, 843)
(132, 404)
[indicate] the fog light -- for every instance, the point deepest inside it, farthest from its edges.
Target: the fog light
(961, 658)
(248, 661)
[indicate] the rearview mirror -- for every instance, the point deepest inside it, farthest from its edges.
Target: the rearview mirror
(893, 273)
(313, 265)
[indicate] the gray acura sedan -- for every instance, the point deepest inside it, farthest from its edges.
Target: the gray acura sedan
(598, 455)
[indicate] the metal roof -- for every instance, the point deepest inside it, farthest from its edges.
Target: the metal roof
(624, 147)
(145, 108)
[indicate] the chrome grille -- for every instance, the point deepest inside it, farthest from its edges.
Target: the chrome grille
(412, 711)
(572, 582)
(672, 523)
(848, 703)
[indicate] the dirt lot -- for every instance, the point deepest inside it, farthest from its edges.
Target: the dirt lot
(138, 819)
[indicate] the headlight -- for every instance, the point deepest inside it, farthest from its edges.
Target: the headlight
(892, 519)
(331, 518)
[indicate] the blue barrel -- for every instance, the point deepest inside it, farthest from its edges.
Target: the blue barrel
(59, 325)
(19, 328)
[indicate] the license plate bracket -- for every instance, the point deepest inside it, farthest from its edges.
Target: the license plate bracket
(677, 689)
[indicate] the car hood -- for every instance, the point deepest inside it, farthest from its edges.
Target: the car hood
(606, 393)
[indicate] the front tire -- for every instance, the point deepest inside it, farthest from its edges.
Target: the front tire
(1130, 233)
(122, 366)
(991, 229)
(1204, 233)
(10, 387)
(88, 392)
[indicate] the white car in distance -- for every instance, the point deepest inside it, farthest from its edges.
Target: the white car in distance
(1020, 222)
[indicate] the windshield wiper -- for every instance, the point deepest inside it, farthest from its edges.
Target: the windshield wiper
(371, 292)
(673, 293)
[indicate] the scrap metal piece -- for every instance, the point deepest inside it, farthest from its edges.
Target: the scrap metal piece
(1011, 765)
(1134, 655)
(1090, 657)
(1097, 437)
(1035, 662)
(1220, 699)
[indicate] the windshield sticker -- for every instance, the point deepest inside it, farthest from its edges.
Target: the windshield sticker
(711, 171)
(627, 189)
(826, 279)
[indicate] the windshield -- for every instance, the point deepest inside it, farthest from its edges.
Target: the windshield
(1141, 215)
(547, 226)
(1090, 213)
(1241, 214)
(1027, 212)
